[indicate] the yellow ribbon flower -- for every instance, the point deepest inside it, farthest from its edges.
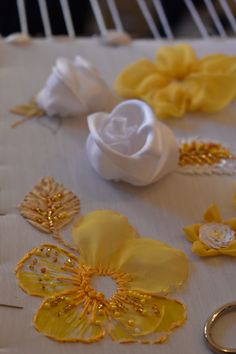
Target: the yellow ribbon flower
(214, 237)
(178, 81)
(143, 271)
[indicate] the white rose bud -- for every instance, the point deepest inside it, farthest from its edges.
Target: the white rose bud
(131, 145)
(75, 88)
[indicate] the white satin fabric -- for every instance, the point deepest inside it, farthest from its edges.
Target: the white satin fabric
(74, 88)
(131, 145)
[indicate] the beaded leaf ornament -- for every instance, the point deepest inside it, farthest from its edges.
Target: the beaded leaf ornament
(198, 156)
(143, 271)
(49, 207)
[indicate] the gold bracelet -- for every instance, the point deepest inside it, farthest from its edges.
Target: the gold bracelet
(209, 325)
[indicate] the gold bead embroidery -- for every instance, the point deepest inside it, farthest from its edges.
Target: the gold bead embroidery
(203, 153)
(49, 207)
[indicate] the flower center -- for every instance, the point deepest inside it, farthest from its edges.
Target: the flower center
(124, 135)
(215, 235)
(104, 284)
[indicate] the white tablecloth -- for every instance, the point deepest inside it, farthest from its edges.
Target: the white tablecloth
(43, 147)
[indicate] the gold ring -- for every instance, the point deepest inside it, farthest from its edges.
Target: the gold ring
(209, 325)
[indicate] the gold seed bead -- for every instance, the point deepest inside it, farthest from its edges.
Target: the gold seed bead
(131, 323)
(38, 252)
(101, 312)
(144, 312)
(117, 314)
(47, 305)
(143, 301)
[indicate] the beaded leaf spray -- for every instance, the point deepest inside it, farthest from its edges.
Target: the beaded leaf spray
(49, 207)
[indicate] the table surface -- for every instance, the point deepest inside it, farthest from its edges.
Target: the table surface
(57, 147)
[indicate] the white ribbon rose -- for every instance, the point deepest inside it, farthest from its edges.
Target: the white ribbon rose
(74, 88)
(131, 145)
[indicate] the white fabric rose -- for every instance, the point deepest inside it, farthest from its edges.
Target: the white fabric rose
(131, 145)
(215, 235)
(75, 88)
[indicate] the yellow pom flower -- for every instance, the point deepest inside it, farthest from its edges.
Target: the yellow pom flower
(143, 270)
(179, 82)
(214, 237)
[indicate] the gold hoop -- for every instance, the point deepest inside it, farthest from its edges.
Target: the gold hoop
(230, 307)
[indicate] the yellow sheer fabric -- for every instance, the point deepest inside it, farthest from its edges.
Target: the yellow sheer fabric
(179, 82)
(211, 217)
(142, 269)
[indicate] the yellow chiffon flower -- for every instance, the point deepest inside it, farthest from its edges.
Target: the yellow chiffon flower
(143, 271)
(214, 237)
(178, 81)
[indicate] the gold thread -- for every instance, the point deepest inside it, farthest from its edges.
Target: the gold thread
(28, 111)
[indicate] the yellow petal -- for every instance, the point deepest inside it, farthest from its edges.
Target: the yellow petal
(154, 267)
(152, 83)
(171, 101)
(201, 250)
(214, 91)
(230, 250)
(99, 234)
(46, 270)
(160, 316)
(212, 214)
(128, 80)
(176, 61)
(192, 232)
(60, 318)
(217, 64)
(133, 325)
(232, 223)
(174, 314)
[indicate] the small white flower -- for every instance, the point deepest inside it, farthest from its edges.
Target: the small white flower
(215, 235)
(131, 145)
(75, 88)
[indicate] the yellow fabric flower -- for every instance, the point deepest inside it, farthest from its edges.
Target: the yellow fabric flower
(214, 237)
(179, 82)
(143, 270)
